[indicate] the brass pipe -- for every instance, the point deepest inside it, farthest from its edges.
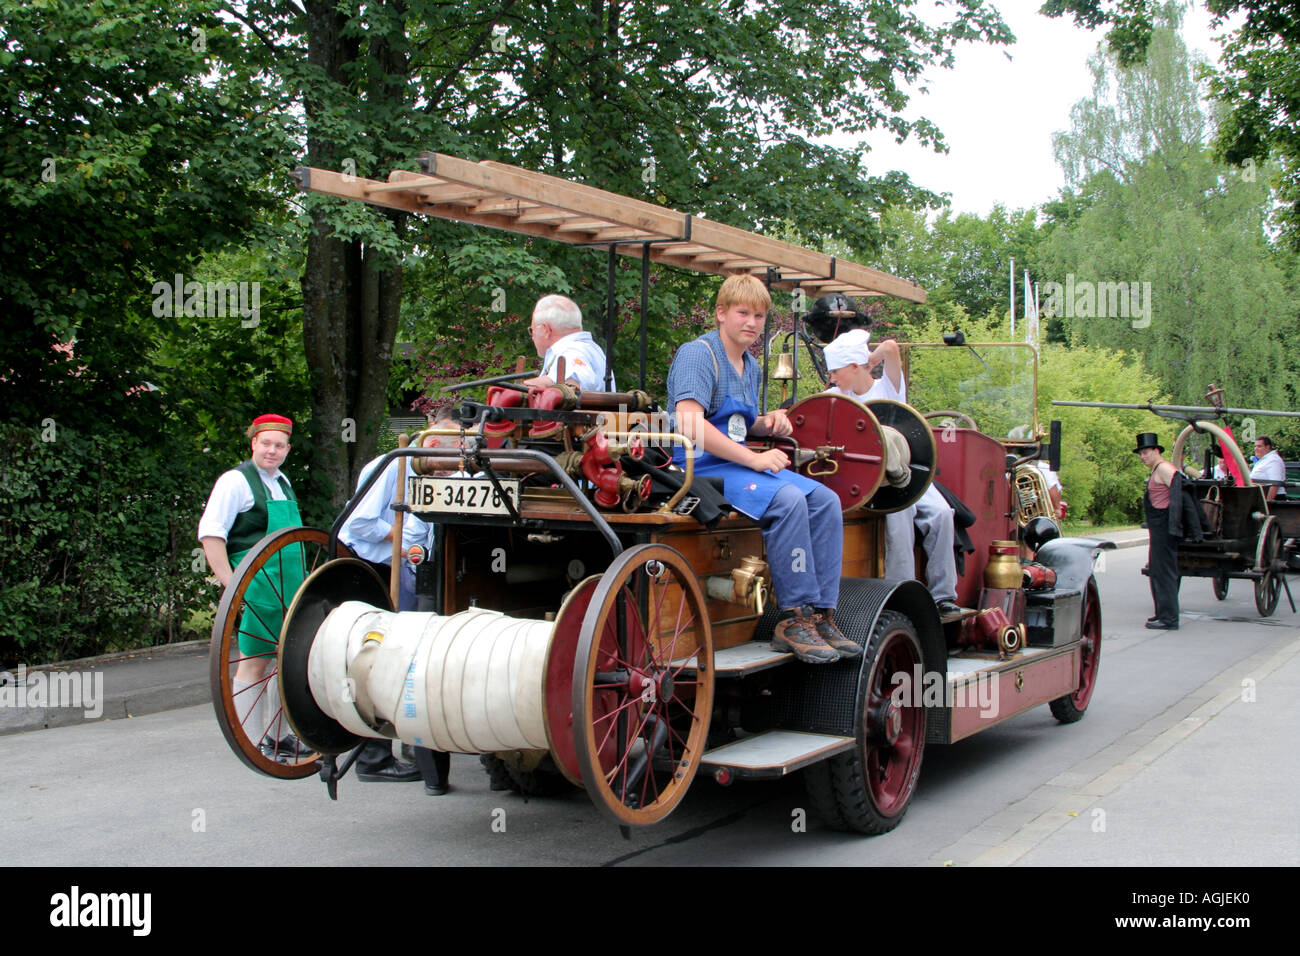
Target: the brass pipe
(634, 401)
(675, 438)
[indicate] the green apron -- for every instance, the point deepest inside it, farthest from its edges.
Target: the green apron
(273, 587)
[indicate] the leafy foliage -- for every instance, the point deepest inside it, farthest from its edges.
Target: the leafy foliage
(99, 540)
(1208, 298)
(1100, 475)
(962, 260)
(1257, 85)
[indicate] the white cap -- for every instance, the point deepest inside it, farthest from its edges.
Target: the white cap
(849, 348)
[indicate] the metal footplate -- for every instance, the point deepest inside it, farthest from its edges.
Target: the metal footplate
(771, 755)
(742, 660)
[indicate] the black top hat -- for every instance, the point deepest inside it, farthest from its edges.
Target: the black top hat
(1149, 440)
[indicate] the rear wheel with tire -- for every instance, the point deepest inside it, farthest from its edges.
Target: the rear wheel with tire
(869, 788)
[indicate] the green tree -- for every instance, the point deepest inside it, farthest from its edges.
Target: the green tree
(134, 142)
(1257, 82)
(962, 260)
(1100, 475)
(711, 107)
(1169, 255)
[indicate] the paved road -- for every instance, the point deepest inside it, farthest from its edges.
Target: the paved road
(1185, 764)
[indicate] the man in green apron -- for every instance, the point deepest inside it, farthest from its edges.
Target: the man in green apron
(246, 504)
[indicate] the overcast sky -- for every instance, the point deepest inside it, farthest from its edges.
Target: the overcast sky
(998, 114)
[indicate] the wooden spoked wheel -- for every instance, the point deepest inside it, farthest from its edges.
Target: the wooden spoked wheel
(1269, 585)
(252, 607)
(1220, 584)
(642, 685)
(1072, 707)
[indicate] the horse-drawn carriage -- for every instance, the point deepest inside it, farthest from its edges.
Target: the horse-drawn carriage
(1244, 534)
(593, 626)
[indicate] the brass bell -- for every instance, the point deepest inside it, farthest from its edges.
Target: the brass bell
(784, 368)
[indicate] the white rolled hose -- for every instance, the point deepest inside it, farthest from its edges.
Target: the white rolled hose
(473, 682)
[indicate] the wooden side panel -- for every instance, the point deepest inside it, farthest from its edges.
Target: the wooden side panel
(718, 552)
(864, 546)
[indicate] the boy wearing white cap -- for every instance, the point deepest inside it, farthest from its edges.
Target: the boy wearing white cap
(850, 361)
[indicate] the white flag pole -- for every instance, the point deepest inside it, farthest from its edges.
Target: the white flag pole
(1011, 281)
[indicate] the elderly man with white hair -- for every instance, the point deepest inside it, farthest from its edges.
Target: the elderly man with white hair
(851, 361)
(557, 333)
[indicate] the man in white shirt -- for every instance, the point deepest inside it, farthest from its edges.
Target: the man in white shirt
(851, 362)
(557, 333)
(1270, 470)
(369, 529)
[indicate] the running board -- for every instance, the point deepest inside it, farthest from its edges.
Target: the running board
(742, 660)
(771, 755)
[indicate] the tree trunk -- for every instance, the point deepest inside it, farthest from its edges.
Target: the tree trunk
(351, 296)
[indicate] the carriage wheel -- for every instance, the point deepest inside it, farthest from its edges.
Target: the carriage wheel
(642, 685)
(1220, 583)
(1070, 708)
(869, 788)
(257, 710)
(1268, 586)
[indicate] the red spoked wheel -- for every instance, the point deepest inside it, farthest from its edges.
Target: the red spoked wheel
(642, 685)
(1070, 708)
(869, 788)
(242, 665)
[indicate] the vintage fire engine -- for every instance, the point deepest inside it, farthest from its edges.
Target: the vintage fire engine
(592, 627)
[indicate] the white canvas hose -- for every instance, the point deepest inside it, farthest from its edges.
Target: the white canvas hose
(471, 683)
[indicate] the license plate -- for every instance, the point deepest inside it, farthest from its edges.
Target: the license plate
(429, 493)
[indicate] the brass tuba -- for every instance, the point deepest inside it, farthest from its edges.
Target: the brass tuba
(1033, 499)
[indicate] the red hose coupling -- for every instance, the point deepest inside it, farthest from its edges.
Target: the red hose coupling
(548, 399)
(502, 398)
(602, 471)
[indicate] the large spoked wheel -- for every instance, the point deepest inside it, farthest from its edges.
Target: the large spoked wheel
(1268, 586)
(1072, 707)
(869, 788)
(642, 685)
(1220, 584)
(242, 661)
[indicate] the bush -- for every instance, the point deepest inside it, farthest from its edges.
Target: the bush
(1101, 478)
(99, 538)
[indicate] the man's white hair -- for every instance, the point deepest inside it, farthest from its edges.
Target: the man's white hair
(558, 311)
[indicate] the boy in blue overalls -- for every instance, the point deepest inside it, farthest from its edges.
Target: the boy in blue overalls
(713, 398)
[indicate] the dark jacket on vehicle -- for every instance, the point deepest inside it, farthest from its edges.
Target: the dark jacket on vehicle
(962, 518)
(1184, 515)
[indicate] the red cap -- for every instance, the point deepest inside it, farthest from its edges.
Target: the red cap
(272, 423)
